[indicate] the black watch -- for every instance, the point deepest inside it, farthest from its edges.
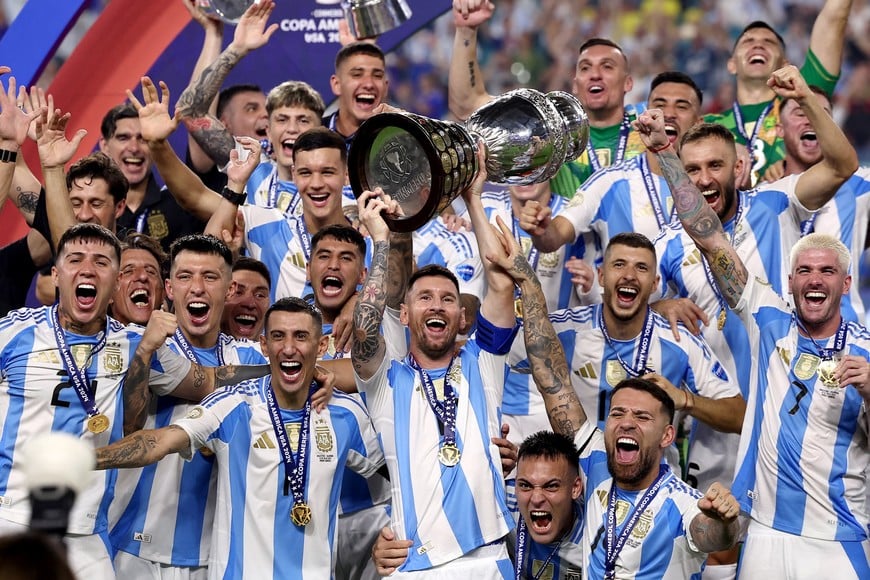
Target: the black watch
(233, 197)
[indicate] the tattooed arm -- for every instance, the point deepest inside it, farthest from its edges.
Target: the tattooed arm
(369, 349)
(466, 92)
(143, 448)
(698, 218)
(543, 348)
(716, 528)
(194, 103)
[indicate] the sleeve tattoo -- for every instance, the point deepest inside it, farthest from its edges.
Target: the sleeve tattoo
(137, 395)
(370, 308)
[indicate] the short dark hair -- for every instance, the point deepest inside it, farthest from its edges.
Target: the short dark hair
(760, 24)
(358, 47)
(650, 387)
(89, 233)
(702, 131)
(98, 165)
(433, 270)
(110, 121)
(293, 304)
(33, 555)
(815, 90)
(227, 94)
(550, 445)
(675, 76)
(252, 265)
(342, 233)
(320, 138)
(631, 240)
(596, 41)
(139, 241)
(200, 244)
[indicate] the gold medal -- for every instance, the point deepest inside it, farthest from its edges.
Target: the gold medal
(449, 455)
(300, 515)
(518, 308)
(723, 315)
(98, 423)
(827, 366)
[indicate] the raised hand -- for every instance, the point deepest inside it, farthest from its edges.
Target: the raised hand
(160, 326)
(582, 274)
(471, 13)
(509, 255)
(201, 17)
(373, 205)
(14, 122)
(241, 167)
(535, 218)
(156, 123)
(719, 504)
(788, 83)
(650, 126)
(55, 150)
(251, 32)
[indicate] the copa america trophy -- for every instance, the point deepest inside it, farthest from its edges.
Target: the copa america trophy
(424, 163)
(230, 11)
(370, 18)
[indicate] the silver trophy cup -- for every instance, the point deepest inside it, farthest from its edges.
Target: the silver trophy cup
(424, 163)
(370, 18)
(230, 11)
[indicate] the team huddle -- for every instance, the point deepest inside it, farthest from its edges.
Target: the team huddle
(651, 366)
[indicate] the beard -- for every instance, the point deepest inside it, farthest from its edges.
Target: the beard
(631, 475)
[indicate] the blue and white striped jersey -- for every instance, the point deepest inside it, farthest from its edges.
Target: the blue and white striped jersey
(266, 190)
(283, 243)
(846, 217)
(253, 536)
(625, 197)
(688, 364)
(803, 457)
(36, 397)
(446, 511)
(660, 545)
(562, 560)
(164, 512)
(456, 251)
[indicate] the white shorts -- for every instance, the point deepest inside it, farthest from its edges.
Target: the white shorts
(490, 562)
(357, 533)
(769, 554)
(130, 566)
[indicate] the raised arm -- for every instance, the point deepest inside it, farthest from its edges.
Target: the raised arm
(819, 183)
(543, 348)
(226, 222)
(16, 124)
(55, 151)
(368, 350)
(193, 106)
(211, 48)
(497, 304)
(716, 528)
(698, 218)
(157, 125)
(465, 89)
(143, 448)
(548, 233)
(829, 34)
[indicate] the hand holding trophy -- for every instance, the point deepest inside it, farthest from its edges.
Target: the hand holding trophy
(424, 164)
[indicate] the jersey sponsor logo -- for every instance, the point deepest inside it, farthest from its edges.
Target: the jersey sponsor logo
(264, 441)
(194, 413)
(643, 526)
(546, 573)
(424, 548)
(587, 371)
(157, 226)
(297, 259)
(49, 357)
(142, 537)
(614, 373)
(112, 358)
(784, 355)
(693, 258)
(465, 272)
(806, 366)
(549, 260)
(5, 501)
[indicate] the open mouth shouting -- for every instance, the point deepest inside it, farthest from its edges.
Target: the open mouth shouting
(365, 101)
(86, 295)
(246, 323)
(627, 450)
(436, 326)
(540, 521)
(757, 59)
(626, 295)
(291, 370)
(672, 132)
(331, 286)
(287, 147)
(199, 312)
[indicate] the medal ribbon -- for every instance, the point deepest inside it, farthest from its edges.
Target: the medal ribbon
(654, 199)
(188, 351)
(444, 411)
(624, 129)
(741, 128)
(276, 188)
(639, 368)
(295, 472)
(839, 338)
(615, 545)
(78, 377)
(522, 548)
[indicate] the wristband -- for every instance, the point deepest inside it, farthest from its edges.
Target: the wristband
(233, 197)
(7, 156)
(658, 149)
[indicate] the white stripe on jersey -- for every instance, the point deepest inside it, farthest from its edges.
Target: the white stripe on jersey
(253, 535)
(36, 398)
(164, 512)
(446, 511)
(615, 200)
(265, 177)
(803, 458)
(456, 251)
